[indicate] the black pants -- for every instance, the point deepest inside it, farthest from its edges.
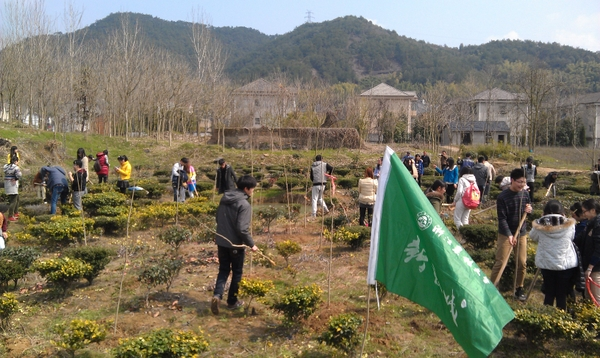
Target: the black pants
(450, 193)
(102, 178)
(230, 260)
(365, 209)
(531, 190)
(557, 284)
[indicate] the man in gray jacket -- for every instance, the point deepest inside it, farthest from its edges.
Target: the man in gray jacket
(233, 236)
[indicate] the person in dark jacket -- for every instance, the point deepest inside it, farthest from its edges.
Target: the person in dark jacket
(435, 194)
(482, 176)
(57, 183)
(426, 160)
(511, 205)
(233, 236)
(590, 247)
(226, 178)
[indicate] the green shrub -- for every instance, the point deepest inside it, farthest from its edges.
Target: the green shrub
(342, 171)
(287, 248)
(92, 203)
(589, 315)
(162, 173)
(161, 213)
(154, 188)
(62, 272)
(162, 343)
(24, 255)
(342, 332)
(8, 306)
(111, 224)
(100, 188)
(288, 183)
(347, 183)
(204, 185)
(354, 236)
(255, 288)
(95, 256)
(338, 221)
(268, 215)
(581, 189)
(78, 334)
(10, 271)
(175, 236)
(298, 303)
(70, 211)
(540, 324)
(480, 236)
(60, 230)
(162, 272)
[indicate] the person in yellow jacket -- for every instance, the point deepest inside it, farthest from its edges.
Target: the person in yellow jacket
(124, 173)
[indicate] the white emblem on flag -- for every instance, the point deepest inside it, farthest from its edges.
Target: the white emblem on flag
(423, 220)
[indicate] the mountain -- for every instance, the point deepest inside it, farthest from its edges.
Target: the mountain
(344, 50)
(175, 36)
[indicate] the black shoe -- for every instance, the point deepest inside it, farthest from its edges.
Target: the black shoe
(236, 305)
(520, 294)
(214, 305)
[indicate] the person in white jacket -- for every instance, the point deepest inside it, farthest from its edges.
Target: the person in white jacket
(555, 256)
(461, 212)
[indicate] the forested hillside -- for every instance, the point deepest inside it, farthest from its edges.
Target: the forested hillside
(346, 50)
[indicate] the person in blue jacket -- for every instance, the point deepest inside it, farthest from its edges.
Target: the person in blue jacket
(450, 174)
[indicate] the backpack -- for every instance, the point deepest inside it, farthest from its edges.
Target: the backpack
(471, 196)
(182, 178)
(97, 166)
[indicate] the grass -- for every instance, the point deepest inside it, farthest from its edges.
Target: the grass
(400, 328)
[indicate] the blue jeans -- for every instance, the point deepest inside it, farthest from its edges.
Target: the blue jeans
(58, 190)
(230, 260)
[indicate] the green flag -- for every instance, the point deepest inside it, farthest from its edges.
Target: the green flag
(415, 256)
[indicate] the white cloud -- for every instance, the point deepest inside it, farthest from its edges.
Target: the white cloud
(511, 35)
(374, 22)
(584, 33)
(587, 41)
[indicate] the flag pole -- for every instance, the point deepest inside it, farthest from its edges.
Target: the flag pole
(362, 348)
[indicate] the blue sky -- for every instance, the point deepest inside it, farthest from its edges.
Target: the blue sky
(568, 22)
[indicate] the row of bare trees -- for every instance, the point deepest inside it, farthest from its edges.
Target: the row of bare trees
(127, 88)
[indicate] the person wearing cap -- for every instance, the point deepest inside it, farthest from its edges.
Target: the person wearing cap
(226, 178)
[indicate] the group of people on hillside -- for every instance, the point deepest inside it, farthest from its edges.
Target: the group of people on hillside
(457, 180)
(568, 251)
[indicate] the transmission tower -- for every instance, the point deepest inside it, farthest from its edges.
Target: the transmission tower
(309, 16)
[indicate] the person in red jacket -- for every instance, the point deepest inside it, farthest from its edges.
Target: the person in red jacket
(102, 165)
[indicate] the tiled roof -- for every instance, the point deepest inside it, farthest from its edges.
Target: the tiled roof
(496, 94)
(262, 86)
(588, 98)
(384, 90)
(479, 126)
